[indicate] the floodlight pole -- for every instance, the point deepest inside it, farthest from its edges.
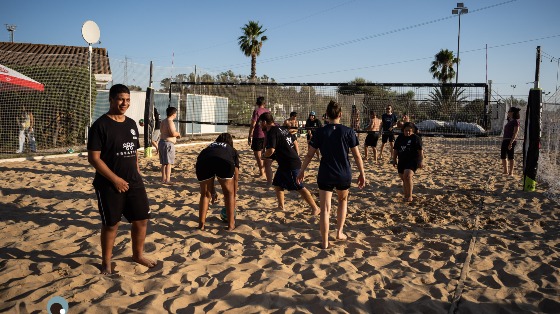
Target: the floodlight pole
(459, 10)
(11, 29)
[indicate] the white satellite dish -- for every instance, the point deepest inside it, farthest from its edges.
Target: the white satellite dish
(90, 32)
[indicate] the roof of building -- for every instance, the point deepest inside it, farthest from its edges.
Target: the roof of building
(54, 55)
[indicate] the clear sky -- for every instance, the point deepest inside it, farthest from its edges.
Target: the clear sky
(311, 40)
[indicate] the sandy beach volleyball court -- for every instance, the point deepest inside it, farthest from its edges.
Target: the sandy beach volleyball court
(400, 258)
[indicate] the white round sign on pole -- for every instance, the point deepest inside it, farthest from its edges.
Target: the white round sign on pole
(90, 32)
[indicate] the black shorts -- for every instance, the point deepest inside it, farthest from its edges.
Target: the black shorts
(371, 139)
(208, 168)
(504, 151)
(286, 179)
(257, 144)
(330, 187)
(387, 135)
(402, 165)
(132, 204)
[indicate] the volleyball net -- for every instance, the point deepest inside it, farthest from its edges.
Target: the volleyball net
(456, 114)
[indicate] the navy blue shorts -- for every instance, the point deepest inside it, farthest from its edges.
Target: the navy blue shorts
(387, 135)
(286, 179)
(330, 187)
(208, 168)
(402, 165)
(132, 204)
(504, 151)
(257, 144)
(371, 139)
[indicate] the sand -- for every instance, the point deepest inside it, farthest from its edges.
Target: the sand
(472, 241)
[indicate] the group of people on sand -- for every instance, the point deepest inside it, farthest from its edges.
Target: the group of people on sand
(112, 151)
(114, 141)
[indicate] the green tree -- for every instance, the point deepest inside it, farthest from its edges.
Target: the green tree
(134, 88)
(251, 43)
(442, 66)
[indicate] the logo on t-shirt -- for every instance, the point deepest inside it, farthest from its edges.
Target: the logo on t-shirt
(132, 132)
(128, 146)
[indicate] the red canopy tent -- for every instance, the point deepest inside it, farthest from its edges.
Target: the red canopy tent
(12, 80)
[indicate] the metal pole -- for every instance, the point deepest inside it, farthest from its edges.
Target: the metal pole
(558, 67)
(537, 68)
(458, 49)
(90, 50)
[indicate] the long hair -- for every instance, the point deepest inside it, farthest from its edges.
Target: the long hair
(225, 138)
(333, 110)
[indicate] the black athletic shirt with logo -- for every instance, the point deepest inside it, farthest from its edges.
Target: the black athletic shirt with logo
(118, 142)
(407, 147)
(218, 150)
(388, 120)
(281, 140)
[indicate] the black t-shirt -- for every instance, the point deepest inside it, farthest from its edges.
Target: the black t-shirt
(312, 124)
(334, 142)
(388, 120)
(407, 147)
(118, 142)
(222, 151)
(279, 138)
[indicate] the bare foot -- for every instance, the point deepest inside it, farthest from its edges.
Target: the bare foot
(408, 199)
(341, 237)
(230, 228)
(280, 208)
(144, 261)
(325, 245)
(316, 211)
(106, 269)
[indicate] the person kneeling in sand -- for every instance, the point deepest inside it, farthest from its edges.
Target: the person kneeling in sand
(335, 142)
(218, 160)
(112, 150)
(279, 143)
(408, 157)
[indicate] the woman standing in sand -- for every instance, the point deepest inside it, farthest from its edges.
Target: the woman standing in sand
(509, 140)
(335, 142)
(408, 157)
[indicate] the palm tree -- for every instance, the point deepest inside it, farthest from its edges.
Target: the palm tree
(251, 43)
(442, 66)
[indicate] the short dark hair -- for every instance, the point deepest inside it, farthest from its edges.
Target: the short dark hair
(225, 138)
(118, 89)
(266, 117)
(410, 125)
(293, 114)
(171, 111)
(516, 114)
(333, 110)
(260, 100)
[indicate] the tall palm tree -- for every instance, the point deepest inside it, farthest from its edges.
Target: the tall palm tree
(251, 43)
(442, 66)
